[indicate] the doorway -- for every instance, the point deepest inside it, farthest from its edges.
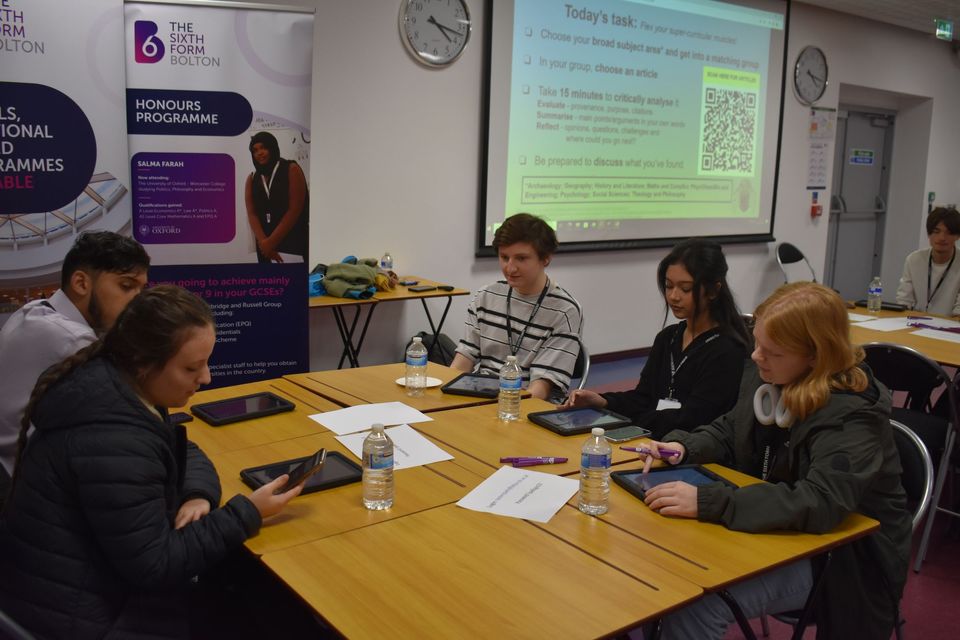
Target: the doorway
(858, 206)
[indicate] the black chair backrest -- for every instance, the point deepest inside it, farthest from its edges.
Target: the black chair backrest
(917, 474)
(904, 369)
(788, 253)
(581, 370)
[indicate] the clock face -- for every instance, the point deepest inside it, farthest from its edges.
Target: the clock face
(435, 31)
(810, 75)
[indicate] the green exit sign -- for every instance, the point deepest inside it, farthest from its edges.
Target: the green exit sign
(944, 29)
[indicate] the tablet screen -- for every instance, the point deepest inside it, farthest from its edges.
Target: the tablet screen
(476, 383)
(644, 481)
(335, 470)
(242, 406)
(580, 418)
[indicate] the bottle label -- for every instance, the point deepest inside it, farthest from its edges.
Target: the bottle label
(417, 361)
(875, 291)
(595, 460)
(507, 384)
(379, 461)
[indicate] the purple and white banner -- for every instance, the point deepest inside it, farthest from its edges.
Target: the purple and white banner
(63, 144)
(218, 113)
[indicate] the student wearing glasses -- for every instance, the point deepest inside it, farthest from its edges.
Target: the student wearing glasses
(812, 422)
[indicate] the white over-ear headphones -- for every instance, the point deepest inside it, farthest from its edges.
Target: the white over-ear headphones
(768, 407)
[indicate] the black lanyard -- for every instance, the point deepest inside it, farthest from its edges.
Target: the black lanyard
(515, 349)
(675, 369)
(942, 275)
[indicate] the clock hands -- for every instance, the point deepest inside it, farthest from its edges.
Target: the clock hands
(815, 78)
(443, 29)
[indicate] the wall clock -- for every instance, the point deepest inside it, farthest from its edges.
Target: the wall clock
(435, 32)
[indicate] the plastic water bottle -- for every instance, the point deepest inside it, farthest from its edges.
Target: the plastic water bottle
(416, 375)
(511, 379)
(874, 295)
(386, 262)
(377, 470)
(595, 474)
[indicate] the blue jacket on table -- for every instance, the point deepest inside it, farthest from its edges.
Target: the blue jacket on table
(88, 547)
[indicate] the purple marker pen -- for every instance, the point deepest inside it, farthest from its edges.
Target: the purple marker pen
(530, 462)
(664, 452)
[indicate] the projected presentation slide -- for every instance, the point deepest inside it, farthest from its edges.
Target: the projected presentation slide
(635, 120)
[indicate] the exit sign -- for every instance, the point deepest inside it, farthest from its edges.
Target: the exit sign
(944, 29)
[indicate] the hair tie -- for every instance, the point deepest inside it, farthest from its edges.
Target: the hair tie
(768, 407)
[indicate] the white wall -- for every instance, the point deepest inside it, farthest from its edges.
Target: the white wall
(397, 148)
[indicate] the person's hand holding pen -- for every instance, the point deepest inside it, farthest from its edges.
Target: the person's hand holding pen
(672, 452)
(584, 398)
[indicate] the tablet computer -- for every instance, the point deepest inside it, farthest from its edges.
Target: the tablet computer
(336, 470)
(637, 482)
(255, 405)
(479, 385)
(568, 422)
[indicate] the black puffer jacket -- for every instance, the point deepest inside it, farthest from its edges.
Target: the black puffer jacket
(88, 547)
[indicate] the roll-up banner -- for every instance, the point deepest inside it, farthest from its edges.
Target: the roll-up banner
(218, 114)
(63, 143)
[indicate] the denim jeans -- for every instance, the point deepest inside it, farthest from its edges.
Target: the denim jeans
(783, 589)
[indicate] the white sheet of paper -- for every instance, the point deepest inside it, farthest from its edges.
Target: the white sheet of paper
(937, 335)
(885, 324)
(410, 448)
(521, 493)
(364, 416)
(666, 403)
(859, 317)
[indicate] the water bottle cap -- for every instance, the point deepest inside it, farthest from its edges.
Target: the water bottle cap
(377, 428)
(418, 339)
(597, 431)
(511, 358)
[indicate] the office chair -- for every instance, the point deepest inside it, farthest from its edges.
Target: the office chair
(789, 254)
(582, 368)
(917, 474)
(904, 369)
(917, 480)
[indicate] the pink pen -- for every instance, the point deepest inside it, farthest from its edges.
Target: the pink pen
(664, 452)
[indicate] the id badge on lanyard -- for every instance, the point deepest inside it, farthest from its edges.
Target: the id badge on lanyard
(267, 186)
(668, 403)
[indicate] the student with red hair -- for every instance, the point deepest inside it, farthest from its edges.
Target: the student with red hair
(813, 422)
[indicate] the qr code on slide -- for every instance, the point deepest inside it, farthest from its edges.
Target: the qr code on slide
(728, 132)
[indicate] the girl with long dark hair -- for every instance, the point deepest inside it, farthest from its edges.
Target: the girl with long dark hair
(694, 368)
(113, 510)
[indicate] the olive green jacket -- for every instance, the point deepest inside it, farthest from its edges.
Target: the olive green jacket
(842, 459)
